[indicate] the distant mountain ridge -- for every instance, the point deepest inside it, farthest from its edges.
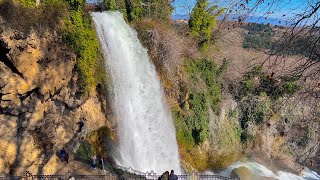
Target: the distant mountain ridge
(180, 17)
(252, 19)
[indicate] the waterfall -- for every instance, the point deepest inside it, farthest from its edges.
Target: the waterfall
(146, 132)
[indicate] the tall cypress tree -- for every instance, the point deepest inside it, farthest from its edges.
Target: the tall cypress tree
(111, 5)
(202, 21)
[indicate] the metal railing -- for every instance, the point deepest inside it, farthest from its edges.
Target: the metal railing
(111, 176)
(10, 177)
(193, 176)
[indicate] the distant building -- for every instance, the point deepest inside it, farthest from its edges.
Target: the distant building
(181, 21)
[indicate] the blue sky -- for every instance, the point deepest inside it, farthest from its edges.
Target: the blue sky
(284, 7)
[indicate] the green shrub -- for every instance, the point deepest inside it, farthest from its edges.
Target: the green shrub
(258, 41)
(254, 109)
(79, 32)
(135, 10)
(248, 86)
(198, 117)
(183, 134)
(202, 70)
(28, 3)
(203, 91)
(259, 36)
(290, 87)
(111, 5)
(256, 82)
(246, 136)
(85, 151)
(222, 68)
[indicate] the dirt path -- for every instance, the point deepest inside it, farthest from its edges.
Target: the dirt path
(76, 167)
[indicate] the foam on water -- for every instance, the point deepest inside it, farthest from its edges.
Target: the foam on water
(261, 170)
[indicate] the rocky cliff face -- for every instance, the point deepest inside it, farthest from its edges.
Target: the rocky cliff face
(40, 104)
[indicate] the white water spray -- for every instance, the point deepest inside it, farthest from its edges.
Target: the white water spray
(261, 170)
(146, 131)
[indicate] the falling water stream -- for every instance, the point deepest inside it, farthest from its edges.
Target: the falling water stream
(146, 132)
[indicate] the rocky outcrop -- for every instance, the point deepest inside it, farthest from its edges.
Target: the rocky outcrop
(40, 104)
(245, 173)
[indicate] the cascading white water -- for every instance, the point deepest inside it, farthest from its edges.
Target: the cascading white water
(146, 131)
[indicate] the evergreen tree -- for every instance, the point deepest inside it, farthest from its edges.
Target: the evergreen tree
(135, 12)
(202, 21)
(111, 5)
(161, 9)
(121, 6)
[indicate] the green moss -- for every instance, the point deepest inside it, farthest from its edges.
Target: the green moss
(183, 133)
(202, 91)
(203, 70)
(28, 3)
(98, 142)
(78, 31)
(85, 151)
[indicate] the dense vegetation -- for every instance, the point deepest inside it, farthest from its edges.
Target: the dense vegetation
(256, 82)
(202, 95)
(46, 17)
(258, 94)
(259, 36)
(207, 136)
(70, 20)
(264, 36)
(96, 143)
(135, 10)
(78, 32)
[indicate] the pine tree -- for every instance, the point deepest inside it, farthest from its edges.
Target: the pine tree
(135, 10)
(202, 21)
(161, 9)
(121, 6)
(111, 5)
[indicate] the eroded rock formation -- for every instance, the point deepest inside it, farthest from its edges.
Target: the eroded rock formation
(40, 104)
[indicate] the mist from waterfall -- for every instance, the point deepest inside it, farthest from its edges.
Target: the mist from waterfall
(146, 132)
(262, 171)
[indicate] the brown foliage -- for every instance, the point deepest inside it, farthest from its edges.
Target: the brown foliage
(22, 18)
(166, 47)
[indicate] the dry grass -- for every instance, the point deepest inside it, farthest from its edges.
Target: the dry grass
(41, 19)
(164, 44)
(167, 49)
